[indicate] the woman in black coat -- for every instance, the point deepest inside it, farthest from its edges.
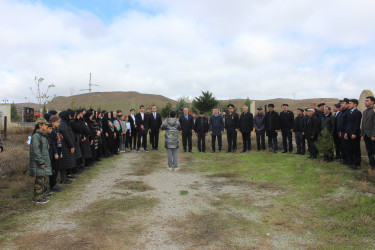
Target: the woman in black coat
(108, 131)
(67, 162)
(88, 120)
(77, 138)
(85, 141)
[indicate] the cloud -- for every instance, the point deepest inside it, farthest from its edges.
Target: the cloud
(236, 49)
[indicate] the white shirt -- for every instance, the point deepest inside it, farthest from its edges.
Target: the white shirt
(128, 126)
(143, 116)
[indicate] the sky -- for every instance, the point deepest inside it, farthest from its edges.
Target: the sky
(235, 49)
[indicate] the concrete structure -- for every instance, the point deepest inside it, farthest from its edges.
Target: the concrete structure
(362, 97)
(4, 111)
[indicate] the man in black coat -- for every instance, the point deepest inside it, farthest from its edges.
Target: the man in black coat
(286, 126)
(353, 134)
(342, 120)
(260, 130)
(231, 125)
(155, 125)
(142, 123)
(327, 124)
(272, 124)
(298, 129)
(201, 130)
(311, 132)
(336, 138)
(187, 129)
(133, 126)
(368, 129)
(246, 124)
(216, 127)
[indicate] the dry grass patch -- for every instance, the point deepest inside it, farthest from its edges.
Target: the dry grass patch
(138, 186)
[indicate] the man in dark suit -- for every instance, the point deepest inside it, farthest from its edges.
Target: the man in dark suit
(342, 120)
(201, 130)
(246, 125)
(142, 123)
(286, 126)
(133, 126)
(311, 132)
(353, 133)
(368, 129)
(298, 129)
(231, 125)
(187, 129)
(336, 139)
(155, 125)
(272, 124)
(216, 127)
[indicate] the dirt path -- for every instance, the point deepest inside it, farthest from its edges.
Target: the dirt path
(180, 195)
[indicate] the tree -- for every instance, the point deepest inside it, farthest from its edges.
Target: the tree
(41, 93)
(325, 144)
(14, 117)
(182, 102)
(206, 102)
(248, 103)
(166, 109)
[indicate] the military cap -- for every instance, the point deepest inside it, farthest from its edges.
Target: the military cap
(337, 105)
(345, 100)
(260, 108)
(271, 105)
(41, 121)
(321, 104)
(230, 106)
(286, 104)
(300, 109)
(201, 112)
(306, 109)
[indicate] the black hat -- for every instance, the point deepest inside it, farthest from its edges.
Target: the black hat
(201, 112)
(286, 104)
(300, 109)
(271, 105)
(306, 109)
(345, 100)
(337, 105)
(230, 106)
(260, 108)
(321, 104)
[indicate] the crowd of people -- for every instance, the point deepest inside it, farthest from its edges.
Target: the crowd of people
(70, 141)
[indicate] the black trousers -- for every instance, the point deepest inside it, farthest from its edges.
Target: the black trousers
(246, 139)
(370, 147)
(232, 139)
(272, 142)
(154, 138)
(187, 141)
(287, 140)
(134, 138)
(53, 177)
(338, 149)
(128, 140)
(142, 140)
(312, 148)
(345, 145)
(300, 142)
(261, 140)
(219, 140)
(202, 142)
(355, 151)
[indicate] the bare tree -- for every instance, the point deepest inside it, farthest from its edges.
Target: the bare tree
(41, 93)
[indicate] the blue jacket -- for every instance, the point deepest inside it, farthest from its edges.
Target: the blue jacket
(216, 124)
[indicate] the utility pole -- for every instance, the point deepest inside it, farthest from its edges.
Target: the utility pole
(90, 86)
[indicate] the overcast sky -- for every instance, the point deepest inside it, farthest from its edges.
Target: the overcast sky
(235, 49)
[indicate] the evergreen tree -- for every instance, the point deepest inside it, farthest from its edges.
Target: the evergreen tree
(206, 102)
(14, 117)
(166, 109)
(182, 102)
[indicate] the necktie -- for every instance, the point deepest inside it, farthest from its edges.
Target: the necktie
(155, 116)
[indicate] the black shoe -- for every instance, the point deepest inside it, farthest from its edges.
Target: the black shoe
(275, 152)
(199, 151)
(313, 157)
(67, 181)
(138, 150)
(57, 189)
(190, 151)
(243, 151)
(229, 151)
(213, 151)
(48, 193)
(284, 152)
(41, 201)
(146, 150)
(298, 153)
(185, 150)
(220, 150)
(354, 167)
(258, 149)
(72, 176)
(302, 153)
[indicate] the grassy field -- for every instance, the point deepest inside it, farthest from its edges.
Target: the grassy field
(258, 199)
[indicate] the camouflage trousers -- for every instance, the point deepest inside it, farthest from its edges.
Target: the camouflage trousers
(39, 187)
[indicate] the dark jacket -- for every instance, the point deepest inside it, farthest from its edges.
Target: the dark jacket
(232, 121)
(299, 124)
(216, 125)
(259, 122)
(145, 122)
(286, 120)
(246, 123)
(68, 160)
(40, 155)
(77, 132)
(201, 125)
(186, 125)
(272, 123)
(368, 123)
(155, 124)
(312, 127)
(353, 126)
(132, 122)
(342, 120)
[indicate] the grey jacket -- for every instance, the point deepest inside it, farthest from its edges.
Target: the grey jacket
(172, 128)
(368, 123)
(259, 122)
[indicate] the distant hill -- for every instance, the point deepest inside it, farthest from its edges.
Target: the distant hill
(127, 100)
(109, 101)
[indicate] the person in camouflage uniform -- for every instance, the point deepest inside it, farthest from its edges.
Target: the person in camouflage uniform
(40, 162)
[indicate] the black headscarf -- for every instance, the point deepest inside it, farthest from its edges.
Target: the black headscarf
(64, 115)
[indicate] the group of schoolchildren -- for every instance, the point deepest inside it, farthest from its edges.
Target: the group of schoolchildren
(70, 141)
